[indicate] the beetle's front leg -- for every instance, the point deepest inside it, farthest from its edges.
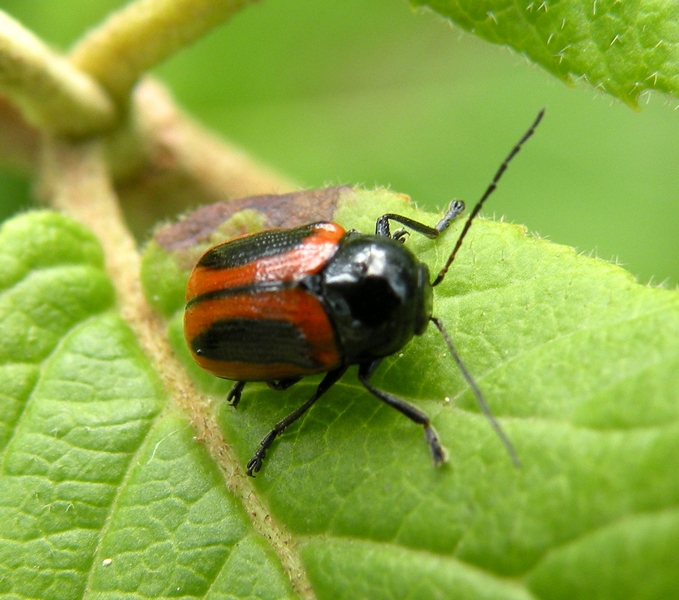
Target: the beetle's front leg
(383, 230)
(455, 209)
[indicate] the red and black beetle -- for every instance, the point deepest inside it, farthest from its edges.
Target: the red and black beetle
(281, 304)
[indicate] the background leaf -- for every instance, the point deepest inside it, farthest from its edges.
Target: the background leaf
(374, 94)
(623, 48)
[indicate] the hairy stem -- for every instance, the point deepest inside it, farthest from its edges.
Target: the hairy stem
(51, 94)
(144, 33)
(182, 164)
(161, 160)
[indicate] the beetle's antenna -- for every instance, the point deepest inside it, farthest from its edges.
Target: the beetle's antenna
(489, 190)
(477, 392)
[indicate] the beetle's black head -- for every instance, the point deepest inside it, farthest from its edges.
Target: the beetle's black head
(378, 296)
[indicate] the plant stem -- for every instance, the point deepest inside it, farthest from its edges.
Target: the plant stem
(51, 94)
(144, 33)
(183, 164)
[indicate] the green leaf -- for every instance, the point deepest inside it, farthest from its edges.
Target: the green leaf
(581, 366)
(622, 48)
(176, 531)
(346, 569)
(105, 492)
(101, 494)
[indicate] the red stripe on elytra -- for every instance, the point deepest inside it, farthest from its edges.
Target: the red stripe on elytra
(308, 258)
(295, 306)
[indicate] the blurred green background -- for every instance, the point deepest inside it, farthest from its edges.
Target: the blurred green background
(374, 93)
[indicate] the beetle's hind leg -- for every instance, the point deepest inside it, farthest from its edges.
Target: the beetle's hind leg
(414, 414)
(255, 463)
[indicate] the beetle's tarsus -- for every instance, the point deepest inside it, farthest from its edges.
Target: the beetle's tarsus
(233, 397)
(455, 208)
(255, 463)
(437, 452)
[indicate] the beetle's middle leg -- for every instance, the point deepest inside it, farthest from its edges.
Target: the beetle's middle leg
(255, 463)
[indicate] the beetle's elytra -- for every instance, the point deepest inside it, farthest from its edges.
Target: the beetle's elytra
(249, 317)
(281, 304)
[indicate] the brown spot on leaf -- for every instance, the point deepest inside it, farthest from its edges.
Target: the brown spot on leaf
(285, 210)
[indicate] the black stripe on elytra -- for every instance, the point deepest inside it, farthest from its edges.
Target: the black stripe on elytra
(242, 251)
(255, 288)
(255, 341)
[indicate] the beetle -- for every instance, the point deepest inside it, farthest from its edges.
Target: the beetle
(281, 304)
